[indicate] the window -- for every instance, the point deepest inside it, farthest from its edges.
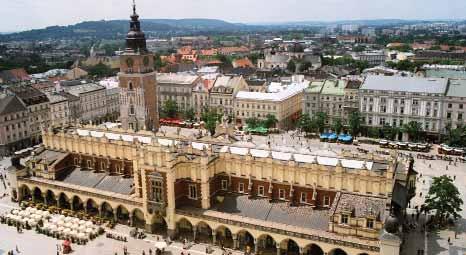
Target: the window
(326, 201)
(224, 184)
(449, 115)
(344, 219)
(303, 197)
(460, 116)
(156, 191)
(460, 106)
(449, 106)
(260, 191)
(241, 187)
(370, 223)
(281, 194)
(192, 191)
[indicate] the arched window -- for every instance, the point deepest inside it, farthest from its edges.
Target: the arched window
(130, 86)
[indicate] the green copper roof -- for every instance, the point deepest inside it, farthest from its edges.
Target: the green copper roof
(334, 87)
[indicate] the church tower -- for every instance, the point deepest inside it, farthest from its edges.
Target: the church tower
(138, 84)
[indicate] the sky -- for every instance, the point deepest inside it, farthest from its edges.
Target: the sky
(18, 15)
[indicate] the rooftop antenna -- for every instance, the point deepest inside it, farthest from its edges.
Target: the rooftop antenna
(134, 7)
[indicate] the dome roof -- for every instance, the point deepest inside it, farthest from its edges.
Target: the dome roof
(391, 224)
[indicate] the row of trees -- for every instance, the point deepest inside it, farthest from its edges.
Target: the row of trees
(270, 121)
(354, 126)
(170, 109)
(317, 123)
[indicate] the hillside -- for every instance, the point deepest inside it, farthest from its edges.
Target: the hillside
(116, 29)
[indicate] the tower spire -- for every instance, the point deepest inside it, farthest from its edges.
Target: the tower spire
(134, 7)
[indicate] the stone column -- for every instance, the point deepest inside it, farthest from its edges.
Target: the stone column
(235, 241)
(171, 224)
(194, 233)
(214, 238)
(205, 185)
(131, 221)
(302, 251)
(256, 246)
(45, 198)
(278, 249)
(115, 216)
(71, 206)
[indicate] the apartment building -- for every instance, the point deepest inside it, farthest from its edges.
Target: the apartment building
(14, 128)
(39, 109)
(59, 110)
(395, 101)
(177, 87)
(224, 91)
(92, 101)
(455, 105)
(284, 102)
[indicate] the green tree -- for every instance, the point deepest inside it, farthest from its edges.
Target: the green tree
(210, 118)
(189, 114)
(291, 66)
(306, 65)
(355, 123)
(270, 121)
(252, 122)
(306, 124)
(337, 125)
(320, 119)
(456, 137)
(413, 129)
(100, 70)
(170, 108)
(390, 132)
(444, 198)
(158, 63)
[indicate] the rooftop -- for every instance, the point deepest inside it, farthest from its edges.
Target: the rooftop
(279, 212)
(457, 88)
(10, 104)
(289, 91)
(359, 206)
(334, 87)
(83, 88)
(100, 181)
(405, 84)
(177, 78)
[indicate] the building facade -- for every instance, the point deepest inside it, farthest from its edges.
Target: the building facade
(14, 130)
(224, 91)
(285, 105)
(39, 110)
(395, 101)
(454, 105)
(247, 198)
(59, 110)
(177, 87)
(92, 101)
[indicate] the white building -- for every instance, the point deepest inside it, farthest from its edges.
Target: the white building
(395, 101)
(92, 101)
(282, 101)
(112, 92)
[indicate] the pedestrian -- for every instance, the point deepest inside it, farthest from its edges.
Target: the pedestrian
(17, 250)
(446, 167)
(143, 252)
(456, 234)
(454, 177)
(449, 240)
(150, 251)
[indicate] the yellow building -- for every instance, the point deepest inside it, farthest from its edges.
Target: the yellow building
(236, 195)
